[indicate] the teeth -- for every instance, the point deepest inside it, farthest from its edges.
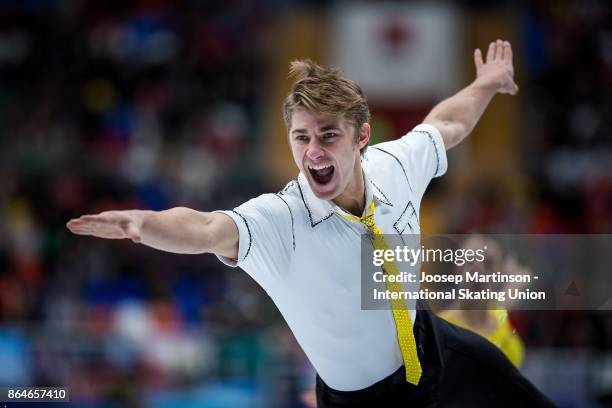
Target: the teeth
(320, 167)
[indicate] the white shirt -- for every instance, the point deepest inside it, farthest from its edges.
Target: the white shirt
(307, 258)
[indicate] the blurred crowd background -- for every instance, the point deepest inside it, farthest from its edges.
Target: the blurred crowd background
(155, 104)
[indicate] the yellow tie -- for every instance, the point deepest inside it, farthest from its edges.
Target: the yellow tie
(403, 322)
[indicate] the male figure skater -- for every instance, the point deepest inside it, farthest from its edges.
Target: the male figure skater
(302, 245)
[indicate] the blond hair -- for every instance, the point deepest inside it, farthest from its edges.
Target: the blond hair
(324, 90)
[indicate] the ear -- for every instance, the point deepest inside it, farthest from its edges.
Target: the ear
(364, 136)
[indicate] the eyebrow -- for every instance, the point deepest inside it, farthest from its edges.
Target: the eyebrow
(322, 129)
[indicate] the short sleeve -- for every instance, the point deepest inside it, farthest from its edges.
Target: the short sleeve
(265, 237)
(421, 153)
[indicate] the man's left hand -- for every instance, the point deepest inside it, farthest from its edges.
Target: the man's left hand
(498, 69)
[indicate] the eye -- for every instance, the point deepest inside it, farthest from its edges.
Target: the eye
(329, 135)
(301, 138)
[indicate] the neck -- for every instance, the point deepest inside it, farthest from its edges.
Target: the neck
(353, 197)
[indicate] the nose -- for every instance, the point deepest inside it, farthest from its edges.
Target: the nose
(314, 151)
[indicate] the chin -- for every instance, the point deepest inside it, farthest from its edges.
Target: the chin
(326, 195)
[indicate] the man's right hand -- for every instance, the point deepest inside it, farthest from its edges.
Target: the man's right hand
(110, 225)
(179, 230)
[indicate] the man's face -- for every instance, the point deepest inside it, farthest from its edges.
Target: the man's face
(326, 151)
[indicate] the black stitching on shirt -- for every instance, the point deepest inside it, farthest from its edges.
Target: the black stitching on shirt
(305, 205)
(323, 219)
(287, 187)
(386, 201)
(407, 222)
(313, 224)
(431, 138)
(279, 195)
(398, 161)
(248, 230)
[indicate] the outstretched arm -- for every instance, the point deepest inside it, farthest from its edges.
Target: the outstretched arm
(456, 116)
(180, 230)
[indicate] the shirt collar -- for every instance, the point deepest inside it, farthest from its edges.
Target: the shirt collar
(321, 210)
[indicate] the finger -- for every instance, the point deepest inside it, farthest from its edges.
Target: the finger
(499, 50)
(478, 58)
(82, 229)
(82, 225)
(79, 232)
(514, 90)
(95, 228)
(72, 223)
(95, 218)
(133, 234)
(76, 224)
(491, 52)
(511, 89)
(507, 52)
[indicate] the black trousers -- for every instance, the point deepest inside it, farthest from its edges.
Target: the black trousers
(460, 369)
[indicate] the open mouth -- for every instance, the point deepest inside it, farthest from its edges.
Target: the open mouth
(322, 174)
